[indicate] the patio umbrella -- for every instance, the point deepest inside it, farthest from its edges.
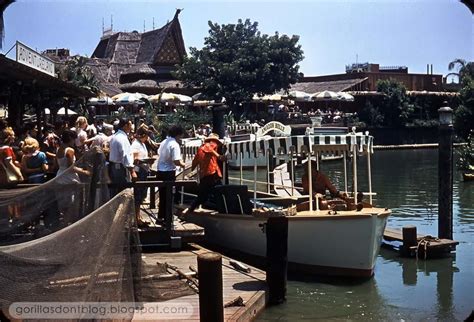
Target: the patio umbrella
(101, 101)
(61, 111)
(170, 97)
(343, 96)
(299, 96)
(273, 97)
(128, 98)
(326, 96)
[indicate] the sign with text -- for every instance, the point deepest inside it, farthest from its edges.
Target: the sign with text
(31, 58)
(274, 126)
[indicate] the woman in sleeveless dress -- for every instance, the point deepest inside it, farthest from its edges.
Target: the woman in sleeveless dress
(68, 174)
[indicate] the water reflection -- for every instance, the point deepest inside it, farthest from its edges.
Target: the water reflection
(402, 289)
(444, 269)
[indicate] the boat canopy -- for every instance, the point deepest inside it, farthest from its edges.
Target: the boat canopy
(302, 144)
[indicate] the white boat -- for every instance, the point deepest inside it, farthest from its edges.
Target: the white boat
(327, 242)
(344, 244)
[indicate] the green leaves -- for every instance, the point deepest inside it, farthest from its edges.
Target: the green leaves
(395, 107)
(238, 61)
(75, 71)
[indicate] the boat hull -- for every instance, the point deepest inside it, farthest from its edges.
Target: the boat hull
(320, 244)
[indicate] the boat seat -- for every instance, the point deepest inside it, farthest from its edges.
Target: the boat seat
(232, 199)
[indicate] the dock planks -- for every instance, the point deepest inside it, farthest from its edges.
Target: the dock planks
(426, 244)
(250, 286)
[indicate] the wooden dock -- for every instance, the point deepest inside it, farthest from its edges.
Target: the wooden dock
(251, 287)
(156, 234)
(427, 246)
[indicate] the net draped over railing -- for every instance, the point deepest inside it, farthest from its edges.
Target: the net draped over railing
(65, 241)
(28, 213)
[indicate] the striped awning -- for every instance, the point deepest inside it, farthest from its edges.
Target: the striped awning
(301, 144)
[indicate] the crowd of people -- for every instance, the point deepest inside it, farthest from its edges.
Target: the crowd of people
(35, 156)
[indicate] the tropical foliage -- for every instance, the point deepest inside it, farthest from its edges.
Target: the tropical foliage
(464, 113)
(75, 71)
(182, 116)
(464, 69)
(238, 61)
(466, 155)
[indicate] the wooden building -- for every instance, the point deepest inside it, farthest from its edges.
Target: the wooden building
(364, 77)
(22, 85)
(141, 62)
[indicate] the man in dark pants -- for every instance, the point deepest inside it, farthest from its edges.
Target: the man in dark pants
(210, 174)
(169, 158)
(121, 168)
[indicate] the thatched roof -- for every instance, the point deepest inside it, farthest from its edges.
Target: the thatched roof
(140, 60)
(335, 86)
(152, 86)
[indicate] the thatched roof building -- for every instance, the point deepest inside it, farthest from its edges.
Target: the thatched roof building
(141, 62)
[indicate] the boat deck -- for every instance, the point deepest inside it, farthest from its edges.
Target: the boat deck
(251, 287)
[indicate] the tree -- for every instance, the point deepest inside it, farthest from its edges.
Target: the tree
(395, 106)
(464, 69)
(237, 61)
(75, 71)
(464, 113)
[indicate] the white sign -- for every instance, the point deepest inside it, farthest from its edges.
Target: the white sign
(31, 58)
(274, 126)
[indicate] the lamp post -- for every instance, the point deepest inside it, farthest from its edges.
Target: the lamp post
(445, 172)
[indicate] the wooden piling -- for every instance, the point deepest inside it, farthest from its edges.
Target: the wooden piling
(445, 179)
(409, 239)
(211, 305)
(277, 258)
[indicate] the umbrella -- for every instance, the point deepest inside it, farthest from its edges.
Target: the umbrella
(273, 97)
(299, 96)
(101, 101)
(326, 96)
(129, 98)
(170, 97)
(61, 111)
(343, 96)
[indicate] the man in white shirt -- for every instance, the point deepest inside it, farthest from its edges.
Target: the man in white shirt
(120, 158)
(169, 158)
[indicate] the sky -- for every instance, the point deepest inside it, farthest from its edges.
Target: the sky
(335, 33)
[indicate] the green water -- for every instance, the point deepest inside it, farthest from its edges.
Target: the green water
(402, 289)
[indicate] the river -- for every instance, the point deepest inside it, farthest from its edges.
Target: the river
(402, 289)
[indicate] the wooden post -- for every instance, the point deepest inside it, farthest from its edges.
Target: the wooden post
(409, 239)
(277, 258)
(152, 198)
(445, 175)
(169, 206)
(211, 303)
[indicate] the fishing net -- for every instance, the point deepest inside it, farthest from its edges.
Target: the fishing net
(64, 241)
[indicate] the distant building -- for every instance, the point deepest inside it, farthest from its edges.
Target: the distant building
(136, 62)
(141, 62)
(364, 77)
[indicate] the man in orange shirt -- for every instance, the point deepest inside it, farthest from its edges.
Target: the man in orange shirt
(210, 173)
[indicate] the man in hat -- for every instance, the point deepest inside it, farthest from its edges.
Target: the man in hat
(210, 174)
